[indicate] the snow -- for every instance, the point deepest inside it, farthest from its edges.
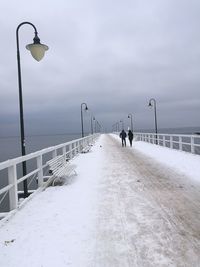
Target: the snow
(109, 214)
(183, 162)
(57, 225)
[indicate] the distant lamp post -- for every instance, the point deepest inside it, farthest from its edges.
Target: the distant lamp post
(122, 122)
(130, 116)
(113, 127)
(86, 108)
(99, 127)
(94, 125)
(92, 128)
(152, 102)
(37, 51)
(117, 126)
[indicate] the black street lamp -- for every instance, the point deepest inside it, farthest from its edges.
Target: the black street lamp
(114, 127)
(99, 127)
(152, 102)
(92, 128)
(130, 116)
(95, 126)
(117, 126)
(86, 108)
(122, 124)
(37, 51)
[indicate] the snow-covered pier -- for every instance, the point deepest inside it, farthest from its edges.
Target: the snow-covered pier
(125, 206)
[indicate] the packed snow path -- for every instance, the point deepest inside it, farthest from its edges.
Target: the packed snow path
(123, 209)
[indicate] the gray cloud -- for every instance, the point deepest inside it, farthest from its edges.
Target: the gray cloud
(115, 56)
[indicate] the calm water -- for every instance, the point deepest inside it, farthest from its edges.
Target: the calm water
(10, 146)
(182, 130)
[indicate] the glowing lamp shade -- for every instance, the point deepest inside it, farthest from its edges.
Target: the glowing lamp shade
(37, 50)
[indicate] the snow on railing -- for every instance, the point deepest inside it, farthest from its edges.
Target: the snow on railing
(11, 174)
(183, 142)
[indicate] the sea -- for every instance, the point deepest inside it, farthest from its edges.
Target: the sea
(10, 148)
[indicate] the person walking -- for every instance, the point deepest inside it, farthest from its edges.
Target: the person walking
(123, 137)
(130, 137)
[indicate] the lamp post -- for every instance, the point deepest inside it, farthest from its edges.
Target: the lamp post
(37, 51)
(122, 124)
(86, 108)
(92, 128)
(152, 102)
(130, 116)
(113, 127)
(99, 127)
(117, 126)
(95, 126)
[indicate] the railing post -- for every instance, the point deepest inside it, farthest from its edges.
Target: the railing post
(40, 172)
(164, 140)
(54, 153)
(79, 146)
(64, 152)
(70, 151)
(153, 138)
(171, 141)
(74, 149)
(192, 145)
(180, 143)
(12, 179)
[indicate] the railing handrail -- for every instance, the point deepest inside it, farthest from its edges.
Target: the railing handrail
(183, 135)
(70, 149)
(171, 142)
(19, 159)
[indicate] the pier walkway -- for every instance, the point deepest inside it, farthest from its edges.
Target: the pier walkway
(122, 209)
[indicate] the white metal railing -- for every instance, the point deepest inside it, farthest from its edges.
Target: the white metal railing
(183, 142)
(40, 158)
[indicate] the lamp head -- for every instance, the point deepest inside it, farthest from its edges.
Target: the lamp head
(37, 49)
(86, 108)
(150, 105)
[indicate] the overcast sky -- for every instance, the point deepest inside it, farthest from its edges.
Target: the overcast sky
(113, 55)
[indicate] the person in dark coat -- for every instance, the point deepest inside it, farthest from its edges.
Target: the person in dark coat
(130, 137)
(123, 137)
